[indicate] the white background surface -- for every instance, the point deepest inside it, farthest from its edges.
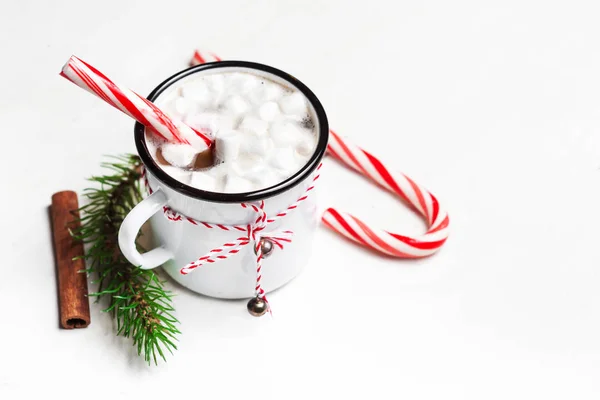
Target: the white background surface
(495, 108)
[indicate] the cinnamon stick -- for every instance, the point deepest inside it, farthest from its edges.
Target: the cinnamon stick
(72, 284)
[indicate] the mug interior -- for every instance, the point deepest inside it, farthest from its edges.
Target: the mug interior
(315, 109)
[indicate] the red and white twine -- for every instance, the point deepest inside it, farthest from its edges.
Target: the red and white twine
(252, 233)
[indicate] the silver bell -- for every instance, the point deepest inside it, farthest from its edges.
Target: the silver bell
(266, 247)
(257, 306)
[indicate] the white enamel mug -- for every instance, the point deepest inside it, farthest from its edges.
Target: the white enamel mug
(179, 243)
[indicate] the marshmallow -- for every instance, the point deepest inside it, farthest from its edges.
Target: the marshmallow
(247, 164)
(293, 104)
(236, 105)
(261, 130)
(227, 145)
(285, 133)
(241, 83)
(237, 184)
(197, 92)
(268, 91)
(178, 155)
(183, 105)
(178, 174)
(268, 111)
(203, 180)
(226, 123)
(254, 126)
(216, 83)
(210, 122)
(272, 92)
(169, 104)
(263, 177)
(260, 146)
(219, 172)
(306, 146)
(284, 159)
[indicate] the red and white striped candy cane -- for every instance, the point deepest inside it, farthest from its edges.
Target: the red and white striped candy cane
(202, 57)
(137, 107)
(401, 185)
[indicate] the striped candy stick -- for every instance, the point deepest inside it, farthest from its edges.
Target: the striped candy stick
(137, 107)
(401, 185)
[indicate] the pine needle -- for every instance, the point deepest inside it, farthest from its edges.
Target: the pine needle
(136, 298)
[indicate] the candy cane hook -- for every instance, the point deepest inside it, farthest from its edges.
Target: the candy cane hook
(357, 230)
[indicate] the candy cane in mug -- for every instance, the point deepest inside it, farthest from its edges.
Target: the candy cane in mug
(89, 78)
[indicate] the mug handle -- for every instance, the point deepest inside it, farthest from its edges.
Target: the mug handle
(131, 226)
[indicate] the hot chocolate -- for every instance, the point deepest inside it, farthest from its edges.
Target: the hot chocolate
(263, 131)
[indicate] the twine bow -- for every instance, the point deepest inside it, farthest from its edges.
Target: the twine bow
(255, 233)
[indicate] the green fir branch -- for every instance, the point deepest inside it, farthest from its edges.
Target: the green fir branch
(137, 299)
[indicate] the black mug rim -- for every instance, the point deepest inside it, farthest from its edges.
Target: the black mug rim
(295, 179)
